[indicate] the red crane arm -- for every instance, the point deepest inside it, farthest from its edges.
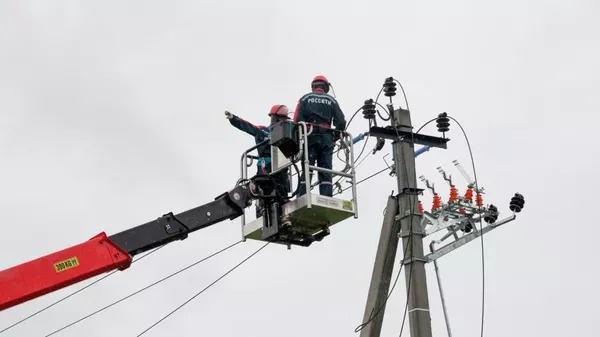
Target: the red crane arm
(46, 274)
(101, 253)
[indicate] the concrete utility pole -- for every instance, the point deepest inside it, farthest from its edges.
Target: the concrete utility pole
(410, 229)
(406, 224)
(382, 271)
(403, 219)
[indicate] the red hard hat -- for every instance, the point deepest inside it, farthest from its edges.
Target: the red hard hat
(279, 110)
(321, 82)
(320, 78)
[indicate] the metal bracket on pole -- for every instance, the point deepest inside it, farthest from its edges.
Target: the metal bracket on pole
(413, 259)
(411, 191)
(466, 239)
(394, 134)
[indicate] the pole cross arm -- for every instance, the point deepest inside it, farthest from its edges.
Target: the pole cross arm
(394, 134)
(466, 239)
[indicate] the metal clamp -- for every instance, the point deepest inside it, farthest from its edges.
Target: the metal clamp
(413, 259)
(411, 191)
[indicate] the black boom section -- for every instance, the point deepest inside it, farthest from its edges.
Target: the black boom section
(171, 227)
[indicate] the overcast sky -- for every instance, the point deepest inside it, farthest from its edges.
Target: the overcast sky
(111, 114)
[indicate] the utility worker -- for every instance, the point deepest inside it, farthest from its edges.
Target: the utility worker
(261, 133)
(320, 110)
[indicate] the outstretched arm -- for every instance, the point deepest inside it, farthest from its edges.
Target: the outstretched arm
(242, 124)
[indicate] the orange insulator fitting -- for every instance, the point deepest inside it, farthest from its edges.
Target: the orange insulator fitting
(462, 210)
(420, 207)
(479, 199)
(453, 194)
(469, 194)
(437, 202)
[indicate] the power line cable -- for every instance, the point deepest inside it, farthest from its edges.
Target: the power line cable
(200, 292)
(379, 94)
(143, 289)
(74, 293)
(384, 109)
(363, 148)
(403, 93)
(480, 228)
(480, 220)
(345, 129)
(424, 125)
(351, 118)
(362, 160)
(365, 179)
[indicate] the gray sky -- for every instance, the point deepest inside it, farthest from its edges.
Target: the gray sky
(112, 115)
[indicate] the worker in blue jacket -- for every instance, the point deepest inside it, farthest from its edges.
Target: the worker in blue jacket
(320, 110)
(261, 133)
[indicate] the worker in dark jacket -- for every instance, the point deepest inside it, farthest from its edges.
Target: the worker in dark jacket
(261, 133)
(320, 110)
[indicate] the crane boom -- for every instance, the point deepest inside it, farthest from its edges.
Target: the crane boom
(54, 271)
(104, 253)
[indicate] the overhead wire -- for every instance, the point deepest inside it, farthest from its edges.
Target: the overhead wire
(351, 118)
(354, 163)
(363, 159)
(384, 109)
(376, 173)
(337, 152)
(74, 293)
(424, 125)
(480, 220)
(480, 228)
(367, 178)
(366, 140)
(144, 288)
(363, 148)
(403, 93)
(346, 128)
(201, 291)
(379, 94)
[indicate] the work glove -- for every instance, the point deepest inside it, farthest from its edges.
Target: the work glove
(228, 114)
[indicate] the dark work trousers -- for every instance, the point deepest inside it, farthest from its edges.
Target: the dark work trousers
(320, 150)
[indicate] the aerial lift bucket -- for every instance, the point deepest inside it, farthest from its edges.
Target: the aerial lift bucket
(308, 217)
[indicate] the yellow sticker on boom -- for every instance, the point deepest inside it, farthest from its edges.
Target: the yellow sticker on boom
(66, 264)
